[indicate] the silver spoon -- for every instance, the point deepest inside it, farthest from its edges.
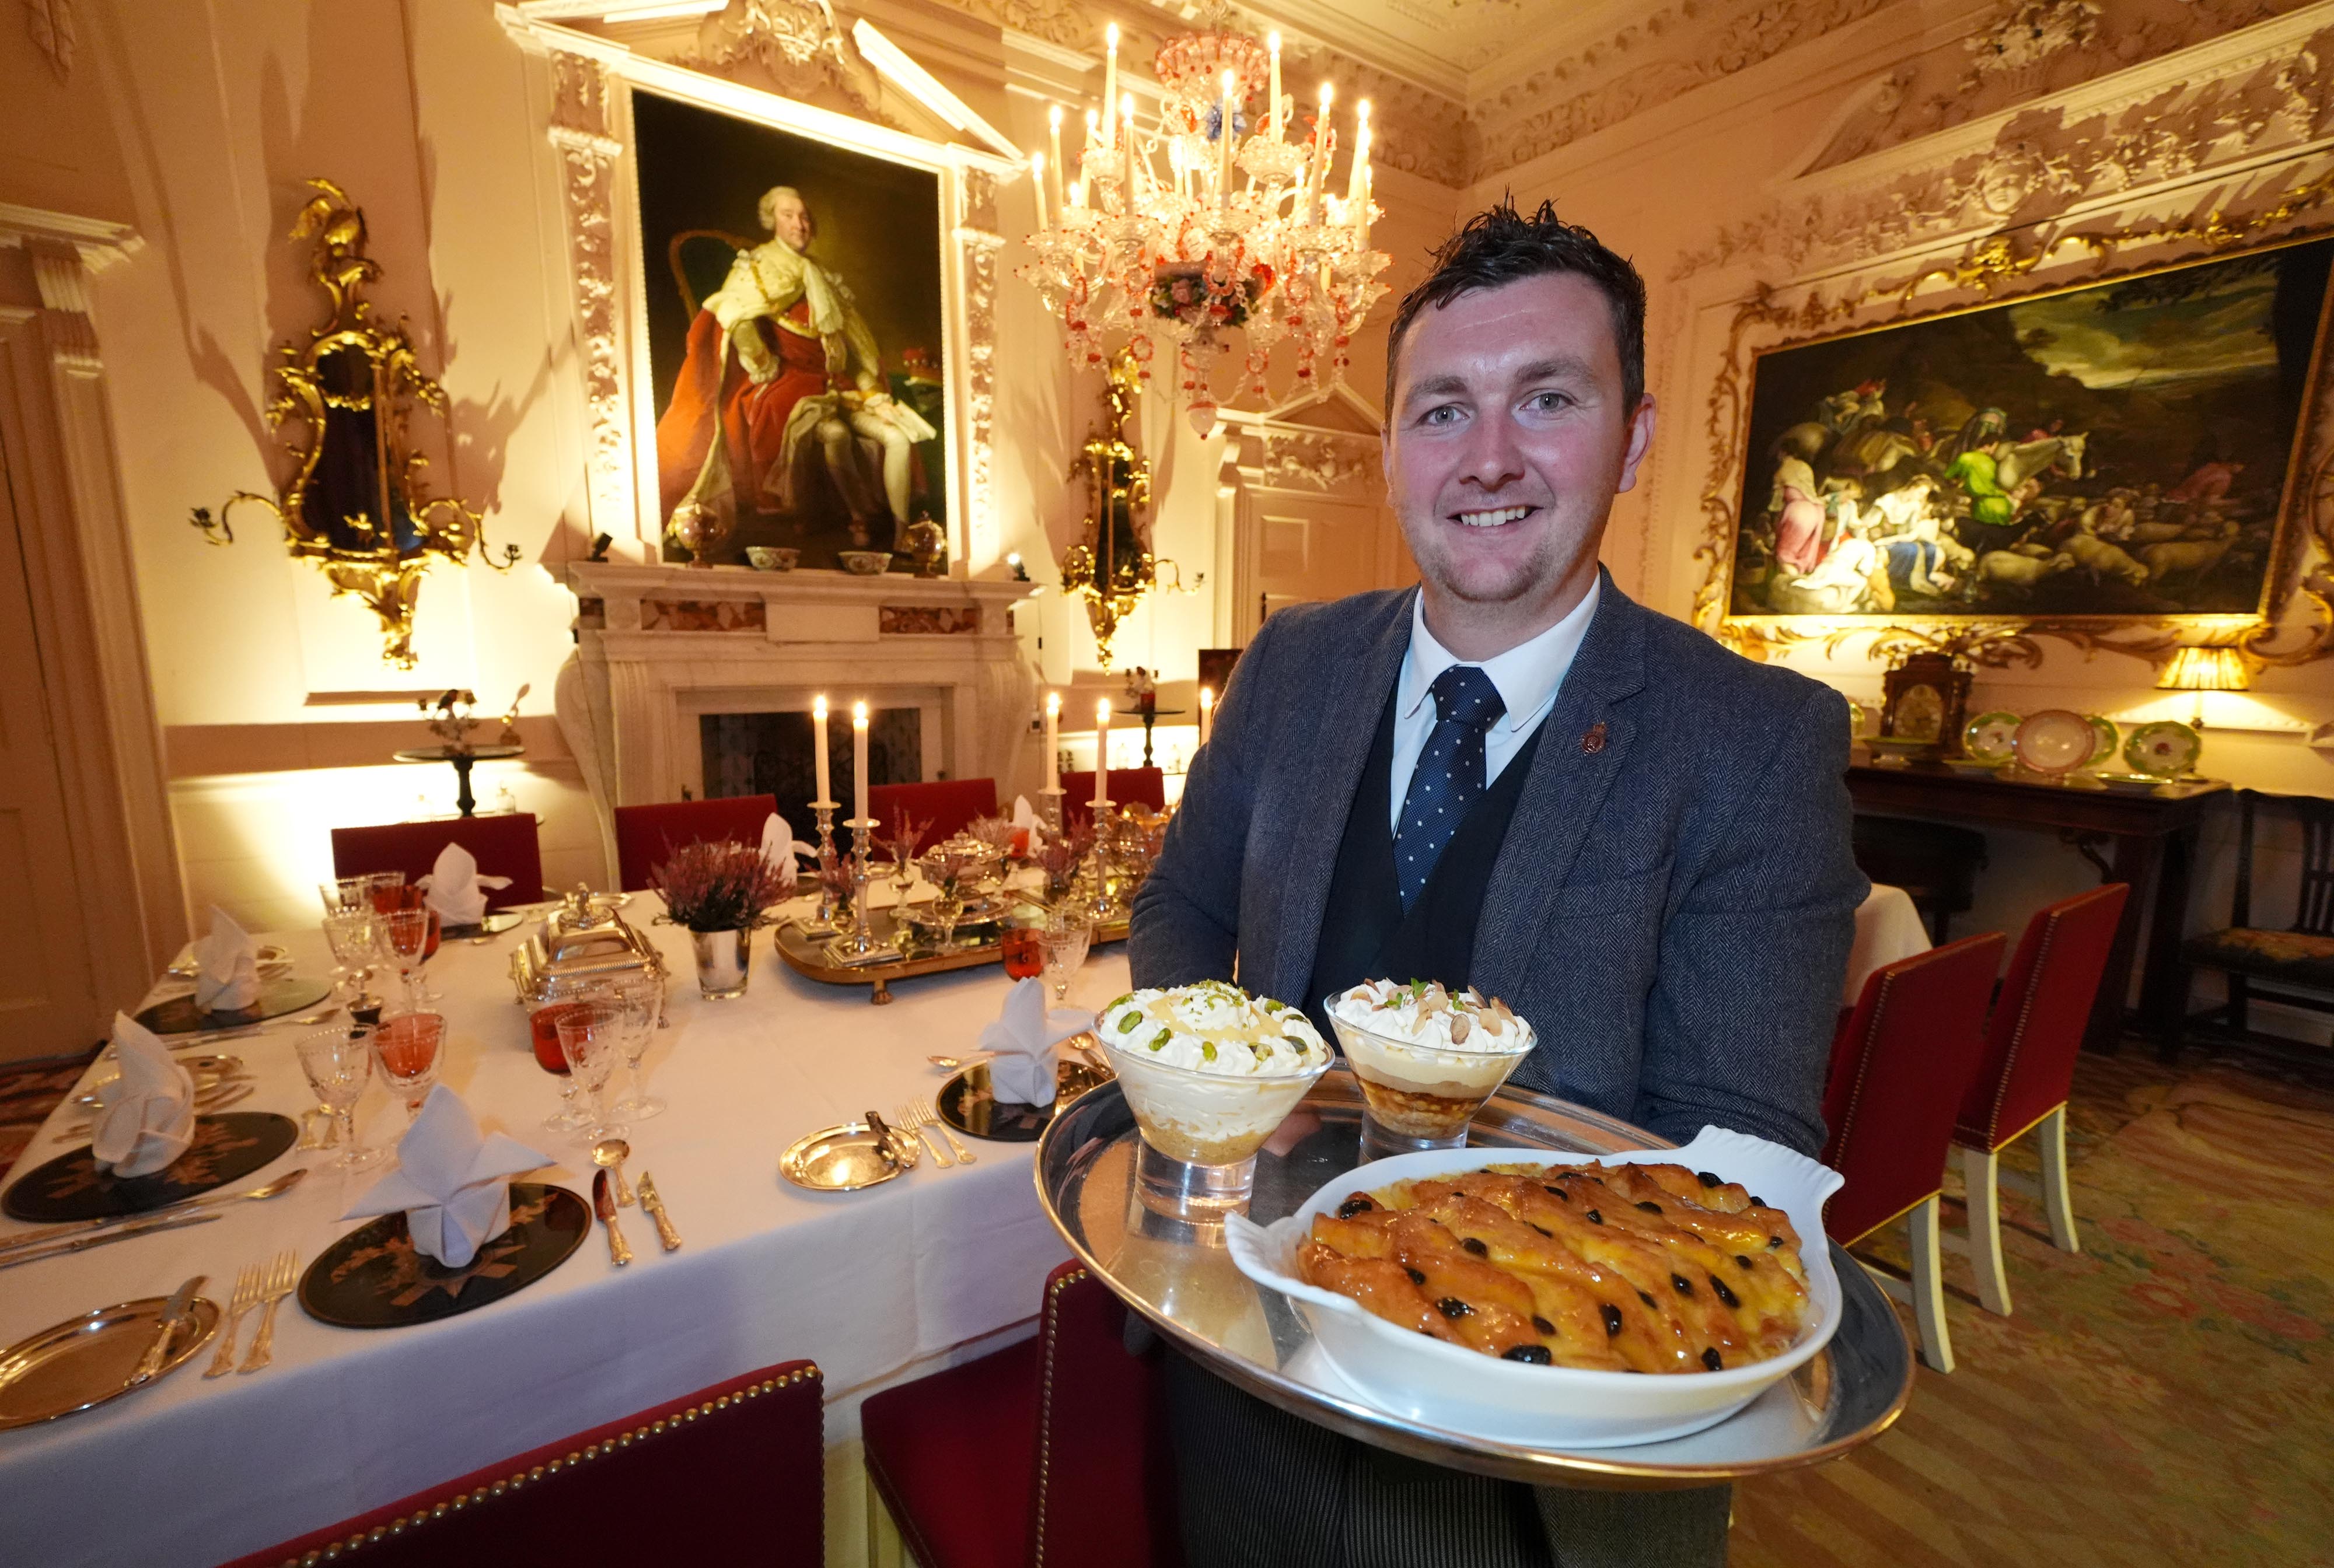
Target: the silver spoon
(609, 1154)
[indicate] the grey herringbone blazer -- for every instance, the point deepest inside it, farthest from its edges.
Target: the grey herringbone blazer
(1674, 903)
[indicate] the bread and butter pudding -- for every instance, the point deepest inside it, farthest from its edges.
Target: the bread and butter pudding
(1626, 1268)
(1427, 1057)
(1208, 1069)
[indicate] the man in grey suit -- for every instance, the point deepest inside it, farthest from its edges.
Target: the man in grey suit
(1513, 777)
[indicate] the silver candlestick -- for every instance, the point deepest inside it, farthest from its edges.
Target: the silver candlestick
(859, 945)
(1100, 907)
(825, 926)
(1049, 810)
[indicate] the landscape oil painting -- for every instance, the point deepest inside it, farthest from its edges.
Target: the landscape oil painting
(795, 335)
(2118, 449)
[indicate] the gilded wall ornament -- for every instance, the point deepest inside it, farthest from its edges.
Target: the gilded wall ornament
(1111, 568)
(356, 503)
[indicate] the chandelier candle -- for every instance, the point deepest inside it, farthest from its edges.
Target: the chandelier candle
(1037, 184)
(1110, 73)
(1272, 44)
(1054, 130)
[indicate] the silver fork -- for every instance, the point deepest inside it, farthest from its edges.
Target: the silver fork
(280, 1277)
(928, 1121)
(916, 1134)
(246, 1297)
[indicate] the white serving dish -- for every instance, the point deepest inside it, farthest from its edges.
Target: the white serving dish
(1426, 1380)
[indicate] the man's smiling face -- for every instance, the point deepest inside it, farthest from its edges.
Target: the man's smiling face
(1507, 443)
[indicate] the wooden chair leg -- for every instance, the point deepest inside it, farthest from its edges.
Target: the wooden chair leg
(2056, 1202)
(1980, 1172)
(1929, 1287)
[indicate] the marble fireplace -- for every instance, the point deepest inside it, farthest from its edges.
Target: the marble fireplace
(660, 649)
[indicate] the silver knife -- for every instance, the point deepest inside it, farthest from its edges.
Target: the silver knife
(83, 1243)
(26, 1240)
(166, 1328)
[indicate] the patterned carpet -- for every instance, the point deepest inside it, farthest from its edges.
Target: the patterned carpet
(2166, 1396)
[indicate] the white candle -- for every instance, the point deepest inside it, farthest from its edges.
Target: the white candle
(1038, 185)
(1224, 149)
(1207, 712)
(1361, 151)
(1102, 754)
(1077, 192)
(1272, 41)
(1054, 131)
(1053, 740)
(1110, 71)
(859, 761)
(1318, 176)
(818, 742)
(1126, 163)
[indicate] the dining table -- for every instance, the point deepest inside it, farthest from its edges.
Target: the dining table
(871, 1284)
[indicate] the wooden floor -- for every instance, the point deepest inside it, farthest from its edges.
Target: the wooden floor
(2165, 1397)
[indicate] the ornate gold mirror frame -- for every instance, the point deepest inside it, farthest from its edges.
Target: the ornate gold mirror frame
(356, 503)
(2297, 624)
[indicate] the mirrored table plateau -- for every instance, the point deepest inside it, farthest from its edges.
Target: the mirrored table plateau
(1179, 1277)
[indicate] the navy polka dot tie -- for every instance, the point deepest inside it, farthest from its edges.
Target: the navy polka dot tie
(1449, 778)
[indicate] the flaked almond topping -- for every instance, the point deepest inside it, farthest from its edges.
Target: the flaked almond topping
(1458, 1027)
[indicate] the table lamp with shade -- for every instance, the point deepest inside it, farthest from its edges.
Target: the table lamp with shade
(2203, 670)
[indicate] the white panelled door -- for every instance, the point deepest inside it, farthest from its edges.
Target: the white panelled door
(47, 995)
(1300, 547)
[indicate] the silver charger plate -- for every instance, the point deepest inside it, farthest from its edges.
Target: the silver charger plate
(84, 1361)
(839, 1159)
(1181, 1280)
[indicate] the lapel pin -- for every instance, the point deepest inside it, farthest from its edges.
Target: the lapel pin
(1594, 741)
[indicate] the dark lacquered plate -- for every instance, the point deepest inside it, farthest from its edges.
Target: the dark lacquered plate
(371, 1278)
(281, 994)
(227, 1148)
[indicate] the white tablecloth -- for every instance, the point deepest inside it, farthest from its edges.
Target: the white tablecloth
(192, 1472)
(1888, 928)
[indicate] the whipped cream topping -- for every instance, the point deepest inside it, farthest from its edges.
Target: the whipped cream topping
(1422, 1014)
(1213, 1027)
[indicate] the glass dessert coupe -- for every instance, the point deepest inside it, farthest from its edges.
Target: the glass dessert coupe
(1420, 1088)
(1202, 1125)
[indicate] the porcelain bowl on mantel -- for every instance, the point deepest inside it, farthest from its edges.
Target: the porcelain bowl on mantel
(866, 563)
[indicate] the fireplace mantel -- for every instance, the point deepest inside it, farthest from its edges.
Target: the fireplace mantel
(657, 647)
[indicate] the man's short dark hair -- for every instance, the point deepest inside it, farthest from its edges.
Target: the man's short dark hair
(1504, 246)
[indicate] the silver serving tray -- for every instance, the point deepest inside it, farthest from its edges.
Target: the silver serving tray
(1179, 1277)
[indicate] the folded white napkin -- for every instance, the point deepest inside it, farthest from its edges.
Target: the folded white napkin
(1025, 821)
(227, 968)
(455, 890)
(1023, 1039)
(146, 1117)
(453, 1184)
(779, 847)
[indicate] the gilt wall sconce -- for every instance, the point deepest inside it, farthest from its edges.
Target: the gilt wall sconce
(1112, 567)
(356, 503)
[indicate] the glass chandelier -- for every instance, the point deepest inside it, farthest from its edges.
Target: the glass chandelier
(1217, 225)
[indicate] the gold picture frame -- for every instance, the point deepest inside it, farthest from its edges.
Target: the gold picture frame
(2292, 621)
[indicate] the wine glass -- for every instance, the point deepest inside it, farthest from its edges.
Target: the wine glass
(641, 998)
(346, 893)
(1066, 940)
(384, 889)
(409, 1048)
(592, 1037)
(355, 947)
(404, 936)
(338, 1062)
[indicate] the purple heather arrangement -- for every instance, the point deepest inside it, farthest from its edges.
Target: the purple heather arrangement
(718, 885)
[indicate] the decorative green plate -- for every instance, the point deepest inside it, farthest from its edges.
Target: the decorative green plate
(1991, 737)
(2164, 749)
(2110, 742)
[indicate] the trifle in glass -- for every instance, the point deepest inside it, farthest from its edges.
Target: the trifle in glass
(1209, 1073)
(1427, 1059)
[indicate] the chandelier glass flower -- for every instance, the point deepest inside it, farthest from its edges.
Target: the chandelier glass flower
(1217, 233)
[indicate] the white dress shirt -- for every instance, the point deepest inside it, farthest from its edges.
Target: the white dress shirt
(1527, 676)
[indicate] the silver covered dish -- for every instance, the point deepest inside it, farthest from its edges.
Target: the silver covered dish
(580, 938)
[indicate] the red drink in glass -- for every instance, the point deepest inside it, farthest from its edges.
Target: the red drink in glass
(1025, 952)
(408, 1042)
(546, 1025)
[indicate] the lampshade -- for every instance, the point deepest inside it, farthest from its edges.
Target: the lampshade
(2205, 669)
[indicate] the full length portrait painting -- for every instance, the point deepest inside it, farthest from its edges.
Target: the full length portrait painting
(2122, 449)
(795, 334)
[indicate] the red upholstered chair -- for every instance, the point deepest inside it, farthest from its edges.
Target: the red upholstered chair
(646, 836)
(1052, 1451)
(503, 844)
(1898, 1072)
(2029, 1068)
(734, 1473)
(947, 804)
(1128, 786)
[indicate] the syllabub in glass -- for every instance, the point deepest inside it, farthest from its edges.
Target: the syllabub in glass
(1427, 1057)
(1209, 1073)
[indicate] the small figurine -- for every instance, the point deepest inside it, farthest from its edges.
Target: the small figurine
(1143, 689)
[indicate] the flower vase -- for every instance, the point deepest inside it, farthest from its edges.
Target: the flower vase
(724, 962)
